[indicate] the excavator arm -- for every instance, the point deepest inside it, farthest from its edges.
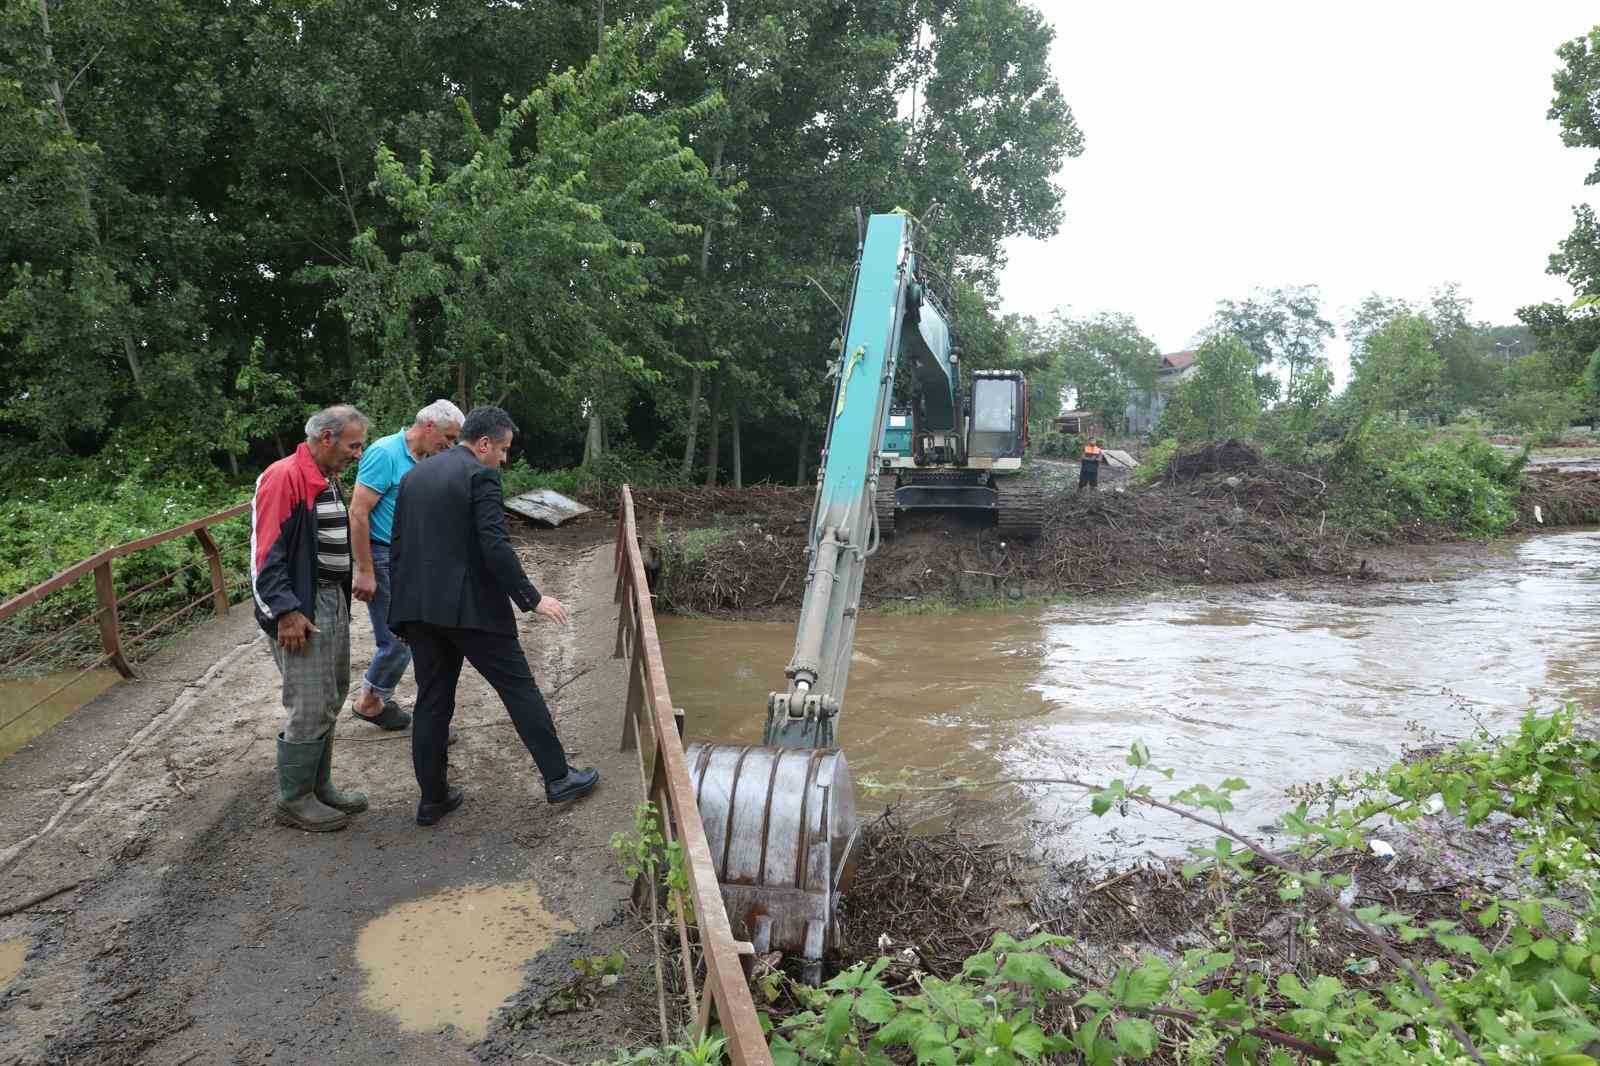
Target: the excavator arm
(890, 314)
(780, 818)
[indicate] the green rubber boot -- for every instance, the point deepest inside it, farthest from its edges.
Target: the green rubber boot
(349, 802)
(298, 805)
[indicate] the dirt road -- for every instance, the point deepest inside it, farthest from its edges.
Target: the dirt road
(200, 932)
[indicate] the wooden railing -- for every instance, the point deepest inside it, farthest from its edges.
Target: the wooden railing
(654, 729)
(116, 651)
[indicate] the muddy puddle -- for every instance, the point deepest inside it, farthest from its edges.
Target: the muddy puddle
(31, 705)
(12, 954)
(453, 958)
(1278, 684)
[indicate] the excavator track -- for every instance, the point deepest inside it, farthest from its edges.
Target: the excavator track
(884, 504)
(1021, 510)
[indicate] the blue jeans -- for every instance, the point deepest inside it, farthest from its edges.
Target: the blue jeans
(389, 664)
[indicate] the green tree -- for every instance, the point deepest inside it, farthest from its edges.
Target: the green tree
(1399, 367)
(1283, 327)
(814, 126)
(106, 111)
(1220, 399)
(549, 268)
(1577, 87)
(1472, 355)
(1106, 360)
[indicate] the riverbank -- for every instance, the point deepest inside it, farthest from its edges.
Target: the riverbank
(1435, 902)
(741, 553)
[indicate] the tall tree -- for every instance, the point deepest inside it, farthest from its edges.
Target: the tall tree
(1106, 359)
(1285, 329)
(105, 115)
(1220, 399)
(1400, 366)
(550, 267)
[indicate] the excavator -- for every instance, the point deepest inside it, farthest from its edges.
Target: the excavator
(781, 816)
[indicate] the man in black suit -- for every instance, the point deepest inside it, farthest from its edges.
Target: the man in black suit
(455, 576)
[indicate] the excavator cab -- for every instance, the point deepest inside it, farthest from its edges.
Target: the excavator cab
(998, 427)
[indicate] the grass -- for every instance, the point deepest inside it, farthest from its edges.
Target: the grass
(692, 545)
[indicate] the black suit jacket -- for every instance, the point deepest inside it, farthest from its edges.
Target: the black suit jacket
(451, 560)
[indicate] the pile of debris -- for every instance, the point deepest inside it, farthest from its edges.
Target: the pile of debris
(742, 556)
(1558, 498)
(1212, 458)
(1223, 515)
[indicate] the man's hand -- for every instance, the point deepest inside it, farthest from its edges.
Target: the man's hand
(364, 585)
(294, 629)
(551, 608)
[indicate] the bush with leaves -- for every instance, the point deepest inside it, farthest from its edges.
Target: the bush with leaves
(57, 511)
(1511, 983)
(1389, 481)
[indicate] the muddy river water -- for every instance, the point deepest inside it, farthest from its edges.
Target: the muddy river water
(1278, 684)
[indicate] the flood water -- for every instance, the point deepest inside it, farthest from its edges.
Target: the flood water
(1278, 684)
(61, 694)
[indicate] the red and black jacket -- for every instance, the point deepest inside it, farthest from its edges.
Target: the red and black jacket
(283, 540)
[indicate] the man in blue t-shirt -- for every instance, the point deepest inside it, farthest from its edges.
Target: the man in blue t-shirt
(385, 462)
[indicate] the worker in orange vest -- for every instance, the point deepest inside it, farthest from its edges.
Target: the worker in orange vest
(1093, 456)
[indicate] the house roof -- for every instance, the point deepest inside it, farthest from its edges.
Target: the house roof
(1177, 360)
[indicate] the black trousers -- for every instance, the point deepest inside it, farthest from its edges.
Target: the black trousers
(437, 653)
(1089, 474)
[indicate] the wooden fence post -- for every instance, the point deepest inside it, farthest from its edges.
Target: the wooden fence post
(105, 594)
(219, 587)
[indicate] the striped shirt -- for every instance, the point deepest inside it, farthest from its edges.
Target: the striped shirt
(333, 535)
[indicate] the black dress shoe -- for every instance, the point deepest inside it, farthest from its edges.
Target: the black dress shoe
(576, 783)
(429, 813)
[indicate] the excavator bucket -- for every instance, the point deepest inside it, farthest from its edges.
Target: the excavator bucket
(782, 827)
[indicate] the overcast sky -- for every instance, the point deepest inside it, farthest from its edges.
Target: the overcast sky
(1358, 146)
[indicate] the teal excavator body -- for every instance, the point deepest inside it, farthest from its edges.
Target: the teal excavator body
(781, 816)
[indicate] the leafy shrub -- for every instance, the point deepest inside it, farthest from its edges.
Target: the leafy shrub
(58, 511)
(1153, 464)
(1060, 445)
(1509, 981)
(1389, 479)
(1542, 414)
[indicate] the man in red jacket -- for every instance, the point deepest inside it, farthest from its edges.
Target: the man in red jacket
(300, 579)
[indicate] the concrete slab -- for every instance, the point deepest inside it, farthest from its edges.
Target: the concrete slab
(545, 506)
(1121, 458)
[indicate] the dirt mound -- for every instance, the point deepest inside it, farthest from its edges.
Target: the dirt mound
(1213, 458)
(770, 506)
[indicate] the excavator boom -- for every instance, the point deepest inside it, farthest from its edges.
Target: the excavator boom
(780, 817)
(889, 310)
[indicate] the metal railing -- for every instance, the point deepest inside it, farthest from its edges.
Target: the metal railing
(115, 651)
(654, 729)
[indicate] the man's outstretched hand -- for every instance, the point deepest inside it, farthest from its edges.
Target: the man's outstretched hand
(552, 609)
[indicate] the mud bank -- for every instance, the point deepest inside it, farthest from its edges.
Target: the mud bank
(729, 552)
